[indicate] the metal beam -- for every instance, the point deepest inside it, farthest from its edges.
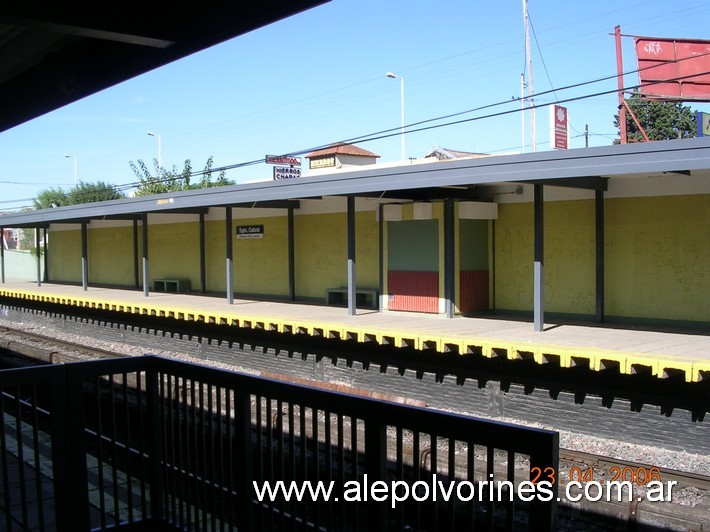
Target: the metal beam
(538, 270)
(275, 204)
(84, 256)
(291, 256)
(352, 275)
(39, 258)
(144, 230)
(136, 274)
(2, 254)
(203, 275)
(46, 255)
(424, 194)
(449, 258)
(586, 183)
(229, 254)
(381, 255)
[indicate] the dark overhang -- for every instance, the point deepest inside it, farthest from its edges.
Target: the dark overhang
(54, 53)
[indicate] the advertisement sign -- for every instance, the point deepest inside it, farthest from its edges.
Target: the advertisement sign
(283, 159)
(674, 69)
(250, 231)
(286, 172)
(559, 134)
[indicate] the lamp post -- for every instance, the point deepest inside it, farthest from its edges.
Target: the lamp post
(401, 91)
(160, 162)
(72, 157)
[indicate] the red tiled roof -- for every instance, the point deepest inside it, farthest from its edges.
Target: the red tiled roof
(341, 148)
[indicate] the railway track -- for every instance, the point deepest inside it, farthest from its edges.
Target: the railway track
(690, 509)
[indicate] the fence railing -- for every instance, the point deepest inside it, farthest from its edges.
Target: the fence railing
(124, 442)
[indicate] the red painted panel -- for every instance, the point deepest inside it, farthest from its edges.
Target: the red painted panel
(473, 290)
(413, 291)
(674, 69)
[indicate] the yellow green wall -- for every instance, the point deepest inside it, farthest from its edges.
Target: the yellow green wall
(110, 253)
(261, 264)
(64, 256)
(173, 251)
(568, 261)
(658, 257)
(322, 252)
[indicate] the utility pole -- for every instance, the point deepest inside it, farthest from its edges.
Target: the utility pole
(528, 58)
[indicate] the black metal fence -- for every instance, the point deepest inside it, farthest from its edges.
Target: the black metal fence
(148, 441)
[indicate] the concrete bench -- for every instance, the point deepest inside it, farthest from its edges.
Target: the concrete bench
(172, 285)
(364, 297)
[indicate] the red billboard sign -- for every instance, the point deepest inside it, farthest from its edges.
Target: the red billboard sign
(559, 133)
(674, 69)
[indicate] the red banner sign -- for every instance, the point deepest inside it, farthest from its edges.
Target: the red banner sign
(674, 69)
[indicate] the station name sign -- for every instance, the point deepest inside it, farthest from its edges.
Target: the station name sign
(286, 172)
(250, 231)
(283, 160)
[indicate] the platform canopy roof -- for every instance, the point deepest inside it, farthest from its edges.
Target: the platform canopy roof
(54, 53)
(588, 168)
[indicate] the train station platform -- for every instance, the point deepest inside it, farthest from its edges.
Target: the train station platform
(678, 354)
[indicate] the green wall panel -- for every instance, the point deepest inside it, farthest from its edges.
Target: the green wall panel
(413, 246)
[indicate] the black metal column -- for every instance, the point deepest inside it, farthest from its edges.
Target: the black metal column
(352, 275)
(136, 274)
(46, 255)
(599, 238)
(449, 258)
(144, 230)
(230, 256)
(538, 272)
(203, 275)
(84, 257)
(39, 257)
(291, 256)
(381, 264)
(2, 254)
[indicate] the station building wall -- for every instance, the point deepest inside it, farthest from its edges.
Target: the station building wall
(64, 254)
(110, 255)
(657, 253)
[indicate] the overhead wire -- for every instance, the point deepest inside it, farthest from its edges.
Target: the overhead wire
(414, 126)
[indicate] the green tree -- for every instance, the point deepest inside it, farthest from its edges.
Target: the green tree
(50, 197)
(163, 180)
(660, 120)
(91, 192)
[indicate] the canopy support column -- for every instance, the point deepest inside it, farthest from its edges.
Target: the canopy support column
(230, 256)
(449, 258)
(39, 257)
(352, 275)
(291, 256)
(144, 230)
(203, 275)
(538, 273)
(84, 257)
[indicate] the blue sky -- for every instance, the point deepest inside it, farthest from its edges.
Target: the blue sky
(319, 77)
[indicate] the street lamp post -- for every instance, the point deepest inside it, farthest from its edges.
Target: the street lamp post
(72, 157)
(160, 162)
(401, 91)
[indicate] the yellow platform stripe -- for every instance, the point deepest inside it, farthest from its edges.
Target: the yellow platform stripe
(691, 369)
